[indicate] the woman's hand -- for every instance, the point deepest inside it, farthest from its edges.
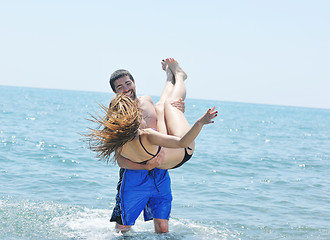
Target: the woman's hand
(208, 116)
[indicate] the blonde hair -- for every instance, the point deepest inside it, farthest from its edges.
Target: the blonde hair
(119, 126)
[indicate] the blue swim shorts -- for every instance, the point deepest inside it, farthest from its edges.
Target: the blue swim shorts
(139, 190)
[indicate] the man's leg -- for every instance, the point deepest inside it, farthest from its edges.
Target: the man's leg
(122, 228)
(160, 202)
(132, 196)
(161, 225)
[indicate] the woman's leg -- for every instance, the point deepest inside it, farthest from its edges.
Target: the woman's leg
(179, 89)
(176, 122)
(169, 84)
(160, 107)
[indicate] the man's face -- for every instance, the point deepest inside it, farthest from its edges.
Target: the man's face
(125, 85)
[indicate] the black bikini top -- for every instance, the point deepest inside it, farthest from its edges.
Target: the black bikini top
(153, 155)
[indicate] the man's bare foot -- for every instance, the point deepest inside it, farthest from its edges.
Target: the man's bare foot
(122, 228)
(175, 67)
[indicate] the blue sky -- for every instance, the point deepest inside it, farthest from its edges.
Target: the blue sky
(271, 52)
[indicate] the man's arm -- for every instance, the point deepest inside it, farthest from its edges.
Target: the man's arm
(151, 164)
(128, 164)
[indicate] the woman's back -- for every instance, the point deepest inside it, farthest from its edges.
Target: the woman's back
(140, 149)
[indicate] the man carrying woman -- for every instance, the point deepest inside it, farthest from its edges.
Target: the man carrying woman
(131, 131)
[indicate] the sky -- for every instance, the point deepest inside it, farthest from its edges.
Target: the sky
(258, 51)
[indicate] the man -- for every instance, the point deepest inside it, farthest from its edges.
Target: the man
(139, 187)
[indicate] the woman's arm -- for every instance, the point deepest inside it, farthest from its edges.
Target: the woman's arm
(170, 141)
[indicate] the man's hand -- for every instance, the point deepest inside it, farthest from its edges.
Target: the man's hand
(156, 161)
(151, 164)
(179, 104)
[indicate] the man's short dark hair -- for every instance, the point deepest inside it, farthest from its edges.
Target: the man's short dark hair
(119, 74)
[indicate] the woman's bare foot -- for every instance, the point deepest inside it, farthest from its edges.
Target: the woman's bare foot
(175, 67)
(170, 77)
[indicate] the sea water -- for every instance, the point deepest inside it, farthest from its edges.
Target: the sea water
(258, 172)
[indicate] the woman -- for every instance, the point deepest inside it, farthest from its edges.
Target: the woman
(121, 131)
